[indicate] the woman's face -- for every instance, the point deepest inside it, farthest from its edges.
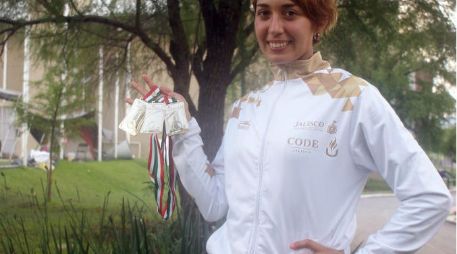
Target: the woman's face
(283, 32)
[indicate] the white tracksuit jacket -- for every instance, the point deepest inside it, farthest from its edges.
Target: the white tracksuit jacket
(295, 158)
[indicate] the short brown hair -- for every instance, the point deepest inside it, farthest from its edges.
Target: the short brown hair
(322, 13)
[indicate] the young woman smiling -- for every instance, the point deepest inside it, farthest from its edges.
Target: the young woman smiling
(296, 154)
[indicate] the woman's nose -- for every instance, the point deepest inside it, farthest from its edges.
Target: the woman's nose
(276, 25)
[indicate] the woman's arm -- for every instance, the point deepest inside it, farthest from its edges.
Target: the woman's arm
(381, 143)
(204, 181)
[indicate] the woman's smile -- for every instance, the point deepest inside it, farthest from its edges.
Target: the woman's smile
(278, 45)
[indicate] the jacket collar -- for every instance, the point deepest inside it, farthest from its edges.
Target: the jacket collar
(299, 68)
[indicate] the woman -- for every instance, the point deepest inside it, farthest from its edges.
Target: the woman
(296, 155)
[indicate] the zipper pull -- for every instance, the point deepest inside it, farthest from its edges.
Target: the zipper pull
(284, 73)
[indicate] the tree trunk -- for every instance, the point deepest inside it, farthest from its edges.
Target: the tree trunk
(211, 118)
(49, 166)
(211, 65)
(211, 121)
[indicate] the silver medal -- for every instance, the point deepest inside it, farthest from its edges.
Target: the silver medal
(135, 117)
(175, 119)
(153, 118)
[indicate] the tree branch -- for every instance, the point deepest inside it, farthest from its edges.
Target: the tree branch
(179, 47)
(18, 24)
(244, 62)
(75, 8)
(3, 42)
(138, 14)
(49, 7)
(197, 60)
(209, 12)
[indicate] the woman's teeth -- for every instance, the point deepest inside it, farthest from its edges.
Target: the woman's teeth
(278, 45)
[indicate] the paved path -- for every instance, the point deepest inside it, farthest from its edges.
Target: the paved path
(374, 212)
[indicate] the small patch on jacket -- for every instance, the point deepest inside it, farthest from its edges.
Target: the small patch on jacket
(244, 125)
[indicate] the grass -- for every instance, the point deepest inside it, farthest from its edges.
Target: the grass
(84, 184)
(88, 196)
(376, 184)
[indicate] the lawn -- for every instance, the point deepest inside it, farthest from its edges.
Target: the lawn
(376, 184)
(84, 185)
(91, 196)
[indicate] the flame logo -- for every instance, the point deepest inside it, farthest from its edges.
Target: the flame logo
(332, 149)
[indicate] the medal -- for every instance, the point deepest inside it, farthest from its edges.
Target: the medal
(134, 119)
(153, 118)
(175, 119)
(161, 116)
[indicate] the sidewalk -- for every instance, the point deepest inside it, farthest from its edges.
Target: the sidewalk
(452, 213)
(376, 209)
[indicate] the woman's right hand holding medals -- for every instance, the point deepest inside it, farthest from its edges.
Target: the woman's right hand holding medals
(160, 110)
(164, 90)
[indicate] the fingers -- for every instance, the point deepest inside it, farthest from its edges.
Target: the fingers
(129, 100)
(167, 91)
(149, 82)
(314, 246)
(151, 85)
(139, 88)
(309, 244)
(164, 90)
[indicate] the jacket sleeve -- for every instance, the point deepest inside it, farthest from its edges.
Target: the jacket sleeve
(202, 180)
(380, 142)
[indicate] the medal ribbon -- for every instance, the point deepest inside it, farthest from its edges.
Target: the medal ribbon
(161, 169)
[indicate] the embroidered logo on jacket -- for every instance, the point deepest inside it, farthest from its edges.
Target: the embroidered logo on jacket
(303, 145)
(331, 129)
(332, 148)
(309, 125)
(315, 134)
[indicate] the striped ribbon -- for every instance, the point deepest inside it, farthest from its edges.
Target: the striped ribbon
(161, 169)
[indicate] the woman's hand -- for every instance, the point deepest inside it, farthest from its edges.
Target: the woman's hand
(164, 90)
(314, 246)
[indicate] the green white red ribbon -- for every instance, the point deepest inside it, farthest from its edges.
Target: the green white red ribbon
(161, 169)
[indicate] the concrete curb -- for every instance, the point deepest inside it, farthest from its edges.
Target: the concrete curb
(451, 217)
(377, 195)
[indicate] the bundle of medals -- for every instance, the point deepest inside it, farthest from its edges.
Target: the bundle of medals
(161, 116)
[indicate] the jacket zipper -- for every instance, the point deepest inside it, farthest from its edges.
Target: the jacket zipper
(262, 154)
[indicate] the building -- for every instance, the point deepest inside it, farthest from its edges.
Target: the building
(18, 72)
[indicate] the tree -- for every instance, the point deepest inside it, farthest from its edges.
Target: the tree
(448, 142)
(59, 101)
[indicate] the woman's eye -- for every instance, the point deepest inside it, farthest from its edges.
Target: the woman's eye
(262, 13)
(290, 13)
